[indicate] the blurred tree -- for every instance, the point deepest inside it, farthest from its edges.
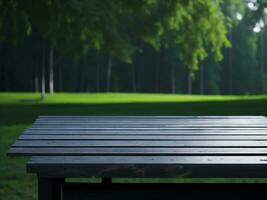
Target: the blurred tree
(240, 73)
(112, 25)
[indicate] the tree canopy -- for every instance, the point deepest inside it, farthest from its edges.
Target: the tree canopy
(74, 26)
(142, 46)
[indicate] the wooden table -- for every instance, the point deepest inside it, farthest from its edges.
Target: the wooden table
(140, 146)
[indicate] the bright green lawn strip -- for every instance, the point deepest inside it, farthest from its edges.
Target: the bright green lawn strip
(98, 98)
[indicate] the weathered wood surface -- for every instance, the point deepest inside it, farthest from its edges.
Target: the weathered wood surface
(180, 131)
(120, 144)
(144, 137)
(149, 166)
(146, 146)
(137, 151)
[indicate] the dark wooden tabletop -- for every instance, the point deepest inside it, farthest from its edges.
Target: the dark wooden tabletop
(145, 146)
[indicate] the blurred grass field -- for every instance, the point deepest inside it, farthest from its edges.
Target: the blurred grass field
(18, 110)
(100, 98)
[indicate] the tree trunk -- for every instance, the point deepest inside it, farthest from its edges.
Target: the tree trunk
(116, 84)
(36, 82)
(83, 86)
(97, 72)
(43, 84)
(231, 64)
(6, 78)
(262, 62)
(201, 79)
(43, 77)
(158, 74)
(134, 77)
(60, 81)
(51, 70)
(137, 75)
(173, 80)
(189, 84)
(109, 70)
(1, 77)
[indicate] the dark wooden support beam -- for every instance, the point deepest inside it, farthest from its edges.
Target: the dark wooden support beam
(106, 180)
(159, 191)
(50, 188)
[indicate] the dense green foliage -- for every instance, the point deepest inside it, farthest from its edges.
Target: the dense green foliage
(117, 28)
(170, 46)
(114, 26)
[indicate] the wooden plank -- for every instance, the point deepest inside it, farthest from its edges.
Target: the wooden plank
(192, 160)
(153, 119)
(150, 117)
(154, 128)
(40, 143)
(149, 120)
(159, 124)
(146, 119)
(149, 132)
(149, 166)
(136, 151)
(81, 123)
(148, 125)
(143, 137)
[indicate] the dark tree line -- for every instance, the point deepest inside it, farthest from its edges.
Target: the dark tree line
(132, 46)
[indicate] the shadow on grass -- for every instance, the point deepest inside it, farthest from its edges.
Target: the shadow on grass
(29, 101)
(21, 114)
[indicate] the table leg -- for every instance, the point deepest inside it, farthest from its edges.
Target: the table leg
(106, 180)
(50, 188)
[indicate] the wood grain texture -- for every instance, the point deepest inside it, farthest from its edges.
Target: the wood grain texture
(82, 143)
(149, 166)
(164, 132)
(146, 137)
(145, 146)
(136, 151)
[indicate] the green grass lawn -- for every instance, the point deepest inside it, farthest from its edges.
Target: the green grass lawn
(18, 110)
